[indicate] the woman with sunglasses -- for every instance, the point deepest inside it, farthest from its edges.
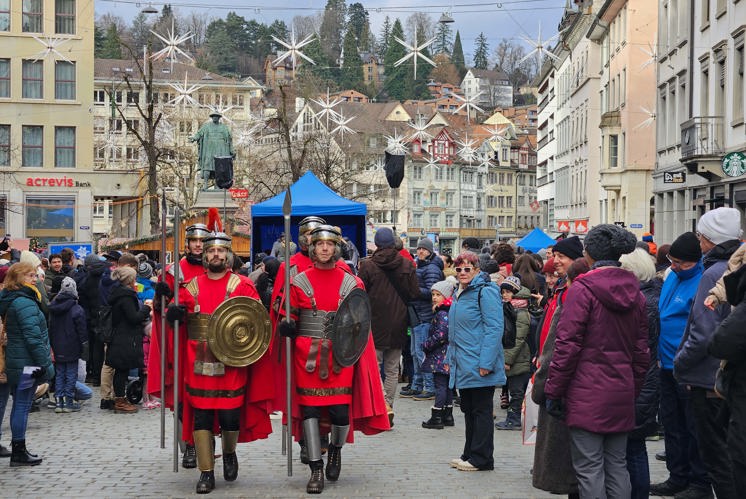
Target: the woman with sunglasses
(475, 359)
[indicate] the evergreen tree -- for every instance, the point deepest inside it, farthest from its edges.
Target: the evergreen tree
(98, 41)
(359, 24)
(279, 29)
(322, 74)
(140, 32)
(220, 49)
(111, 47)
(383, 43)
(332, 27)
(442, 43)
(352, 65)
(396, 77)
(457, 55)
(480, 52)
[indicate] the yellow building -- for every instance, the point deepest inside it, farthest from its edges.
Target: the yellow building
(46, 125)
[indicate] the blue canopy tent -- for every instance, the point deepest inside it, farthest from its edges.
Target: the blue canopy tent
(535, 240)
(310, 197)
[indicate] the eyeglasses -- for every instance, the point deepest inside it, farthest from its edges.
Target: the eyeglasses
(676, 261)
(463, 269)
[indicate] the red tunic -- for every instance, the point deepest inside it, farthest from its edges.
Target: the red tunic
(311, 389)
(301, 262)
(251, 388)
(188, 272)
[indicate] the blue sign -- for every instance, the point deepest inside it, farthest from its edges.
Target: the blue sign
(635, 226)
(81, 249)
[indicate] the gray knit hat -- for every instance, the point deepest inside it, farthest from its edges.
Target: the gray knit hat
(443, 287)
(68, 287)
(426, 243)
(609, 242)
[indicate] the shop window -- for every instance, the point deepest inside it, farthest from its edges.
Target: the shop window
(50, 219)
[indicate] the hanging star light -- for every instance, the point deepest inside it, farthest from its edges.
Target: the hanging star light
(184, 93)
(469, 103)
(652, 52)
(414, 52)
(540, 47)
(293, 49)
(467, 150)
(221, 110)
(420, 130)
(378, 165)
(247, 136)
(50, 47)
(342, 127)
(647, 121)
(164, 133)
(433, 162)
(172, 41)
(485, 163)
(327, 108)
(395, 144)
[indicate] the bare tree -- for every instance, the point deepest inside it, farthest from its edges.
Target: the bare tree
(424, 24)
(508, 55)
(196, 24)
(306, 25)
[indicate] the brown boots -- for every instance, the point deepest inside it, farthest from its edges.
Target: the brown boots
(122, 406)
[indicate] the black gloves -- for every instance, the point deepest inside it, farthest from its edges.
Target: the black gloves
(556, 408)
(38, 373)
(84, 351)
(175, 313)
(163, 289)
(146, 309)
(287, 328)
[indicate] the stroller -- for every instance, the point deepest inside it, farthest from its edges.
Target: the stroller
(135, 383)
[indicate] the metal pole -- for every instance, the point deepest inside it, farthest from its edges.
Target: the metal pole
(162, 339)
(286, 211)
(177, 279)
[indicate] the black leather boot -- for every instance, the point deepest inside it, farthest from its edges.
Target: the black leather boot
(316, 482)
(303, 452)
(206, 482)
(4, 451)
(230, 460)
(436, 419)
(20, 456)
(448, 416)
(337, 438)
(189, 459)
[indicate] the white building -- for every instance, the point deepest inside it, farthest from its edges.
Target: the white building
(496, 90)
(700, 129)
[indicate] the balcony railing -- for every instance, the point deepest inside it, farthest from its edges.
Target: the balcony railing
(702, 136)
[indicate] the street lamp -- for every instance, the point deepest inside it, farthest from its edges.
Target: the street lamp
(150, 9)
(445, 18)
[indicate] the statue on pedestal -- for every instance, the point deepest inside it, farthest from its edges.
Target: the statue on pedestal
(213, 140)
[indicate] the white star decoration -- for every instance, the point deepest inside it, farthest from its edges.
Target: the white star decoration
(247, 136)
(652, 52)
(647, 121)
(50, 47)
(468, 149)
(293, 49)
(164, 134)
(420, 130)
(395, 144)
(540, 47)
(184, 93)
(222, 110)
(327, 107)
(172, 42)
(432, 162)
(469, 103)
(342, 127)
(378, 165)
(414, 52)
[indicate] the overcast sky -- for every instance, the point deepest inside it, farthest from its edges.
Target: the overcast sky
(497, 20)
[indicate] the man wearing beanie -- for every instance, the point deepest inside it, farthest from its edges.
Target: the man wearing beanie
(684, 464)
(719, 233)
(391, 283)
(606, 331)
(429, 271)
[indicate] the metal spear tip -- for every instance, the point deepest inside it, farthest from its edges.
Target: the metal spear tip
(287, 204)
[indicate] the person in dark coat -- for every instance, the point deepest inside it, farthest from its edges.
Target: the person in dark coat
(729, 343)
(600, 360)
(28, 345)
(88, 279)
(125, 351)
(265, 281)
(640, 263)
(68, 336)
(391, 283)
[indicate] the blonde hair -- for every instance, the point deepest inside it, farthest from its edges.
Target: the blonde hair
(16, 277)
(640, 263)
(125, 275)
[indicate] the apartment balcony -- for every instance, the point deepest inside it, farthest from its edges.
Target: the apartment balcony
(702, 145)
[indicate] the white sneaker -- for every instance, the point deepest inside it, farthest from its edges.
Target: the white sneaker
(455, 462)
(466, 466)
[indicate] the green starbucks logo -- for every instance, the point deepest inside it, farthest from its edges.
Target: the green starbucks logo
(734, 164)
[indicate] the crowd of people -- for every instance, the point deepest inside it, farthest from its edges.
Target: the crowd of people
(614, 340)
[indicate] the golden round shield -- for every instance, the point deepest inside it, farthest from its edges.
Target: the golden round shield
(239, 331)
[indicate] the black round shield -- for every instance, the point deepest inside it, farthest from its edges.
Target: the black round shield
(351, 328)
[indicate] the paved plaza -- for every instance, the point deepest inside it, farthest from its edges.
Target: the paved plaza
(97, 453)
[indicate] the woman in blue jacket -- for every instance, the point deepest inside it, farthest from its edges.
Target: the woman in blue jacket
(475, 359)
(28, 345)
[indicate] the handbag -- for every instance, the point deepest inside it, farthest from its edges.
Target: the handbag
(3, 343)
(412, 317)
(722, 380)
(529, 416)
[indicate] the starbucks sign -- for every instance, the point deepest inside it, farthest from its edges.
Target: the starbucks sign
(734, 164)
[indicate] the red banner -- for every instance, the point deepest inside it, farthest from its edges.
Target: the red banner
(563, 226)
(237, 193)
(581, 226)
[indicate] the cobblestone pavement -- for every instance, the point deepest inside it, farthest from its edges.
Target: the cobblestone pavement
(95, 453)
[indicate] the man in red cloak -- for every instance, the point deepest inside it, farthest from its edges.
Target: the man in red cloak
(233, 401)
(347, 396)
(190, 266)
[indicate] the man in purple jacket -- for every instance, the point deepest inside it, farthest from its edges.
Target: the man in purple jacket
(600, 360)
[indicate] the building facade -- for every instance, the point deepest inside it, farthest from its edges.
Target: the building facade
(488, 88)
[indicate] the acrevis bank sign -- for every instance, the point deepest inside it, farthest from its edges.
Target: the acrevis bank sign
(55, 182)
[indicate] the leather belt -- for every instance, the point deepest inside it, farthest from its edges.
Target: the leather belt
(197, 326)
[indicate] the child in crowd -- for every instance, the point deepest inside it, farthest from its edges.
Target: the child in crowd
(517, 359)
(435, 353)
(68, 337)
(148, 402)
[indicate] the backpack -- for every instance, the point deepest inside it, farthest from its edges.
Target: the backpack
(509, 333)
(102, 325)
